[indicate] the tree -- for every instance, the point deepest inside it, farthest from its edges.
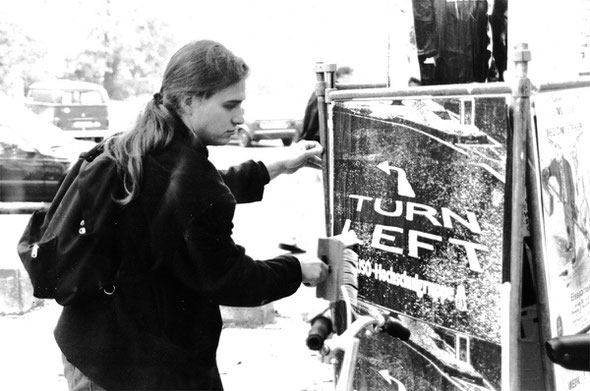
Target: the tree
(126, 49)
(21, 59)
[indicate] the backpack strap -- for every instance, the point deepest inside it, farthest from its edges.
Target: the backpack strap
(84, 158)
(97, 150)
(98, 183)
(93, 153)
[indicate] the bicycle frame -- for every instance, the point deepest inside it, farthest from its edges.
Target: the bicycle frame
(348, 344)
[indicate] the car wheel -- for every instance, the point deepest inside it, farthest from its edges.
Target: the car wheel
(287, 141)
(244, 139)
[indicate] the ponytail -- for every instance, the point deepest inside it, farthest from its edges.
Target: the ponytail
(153, 130)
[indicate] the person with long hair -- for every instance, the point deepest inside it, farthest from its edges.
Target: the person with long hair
(179, 263)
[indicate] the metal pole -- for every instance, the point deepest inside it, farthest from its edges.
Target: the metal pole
(512, 287)
(324, 80)
(533, 185)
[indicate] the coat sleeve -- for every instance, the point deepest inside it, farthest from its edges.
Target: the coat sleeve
(202, 207)
(246, 181)
(224, 272)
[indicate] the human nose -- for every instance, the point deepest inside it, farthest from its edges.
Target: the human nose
(238, 117)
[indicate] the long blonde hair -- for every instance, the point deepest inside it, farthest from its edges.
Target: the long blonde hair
(197, 70)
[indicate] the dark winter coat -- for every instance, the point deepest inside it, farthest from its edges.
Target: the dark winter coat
(161, 328)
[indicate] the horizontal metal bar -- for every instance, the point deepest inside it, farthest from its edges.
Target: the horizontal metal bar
(358, 86)
(22, 207)
(347, 91)
(438, 90)
(564, 85)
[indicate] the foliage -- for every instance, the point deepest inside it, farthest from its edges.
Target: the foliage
(122, 45)
(126, 51)
(21, 58)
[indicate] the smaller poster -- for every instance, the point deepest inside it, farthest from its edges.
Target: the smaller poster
(563, 128)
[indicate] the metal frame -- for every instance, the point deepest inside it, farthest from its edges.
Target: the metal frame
(523, 182)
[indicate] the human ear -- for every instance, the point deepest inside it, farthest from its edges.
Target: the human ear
(186, 105)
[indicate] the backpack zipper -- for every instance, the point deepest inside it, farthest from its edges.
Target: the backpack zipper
(34, 251)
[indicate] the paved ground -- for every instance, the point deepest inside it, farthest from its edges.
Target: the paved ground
(275, 357)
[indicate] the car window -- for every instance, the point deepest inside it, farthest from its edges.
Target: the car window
(66, 98)
(44, 96)
(91, 98)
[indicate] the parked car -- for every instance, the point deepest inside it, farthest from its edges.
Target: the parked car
(268, 121)
(34, 155)
(81, 108)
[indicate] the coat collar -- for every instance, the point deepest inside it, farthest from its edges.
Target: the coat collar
(183, 134)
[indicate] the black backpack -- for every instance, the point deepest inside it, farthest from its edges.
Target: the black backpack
(70, 249)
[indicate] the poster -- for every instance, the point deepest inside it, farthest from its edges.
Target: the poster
(563, 124)
(421, 183)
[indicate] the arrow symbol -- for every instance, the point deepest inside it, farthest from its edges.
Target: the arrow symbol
(403, 186)
(390, 379)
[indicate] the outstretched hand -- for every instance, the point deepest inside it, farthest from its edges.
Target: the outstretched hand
(305, 153)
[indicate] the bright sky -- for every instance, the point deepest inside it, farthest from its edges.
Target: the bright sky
(280, 40)
(283, 40)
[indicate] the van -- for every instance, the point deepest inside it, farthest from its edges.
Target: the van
(80, 108)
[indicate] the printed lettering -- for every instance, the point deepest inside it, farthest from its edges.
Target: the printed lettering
(421, 210)
(360, 198)
(471, 223)
(415, 244)
(378, 235)
(397, 211)
(471, 254)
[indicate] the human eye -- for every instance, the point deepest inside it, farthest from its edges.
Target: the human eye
(232, 105)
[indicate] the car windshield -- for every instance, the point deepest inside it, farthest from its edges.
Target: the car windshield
(10, 141)
(31, 126)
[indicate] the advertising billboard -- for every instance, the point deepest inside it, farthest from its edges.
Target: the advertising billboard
(563, 139)
(421, 182)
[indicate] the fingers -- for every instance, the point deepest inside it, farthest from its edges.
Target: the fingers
(326, 269)
(311, 146)
(314, 162)
(313, 271)
(310, 153)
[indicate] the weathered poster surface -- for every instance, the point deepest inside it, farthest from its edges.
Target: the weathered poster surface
(421, 182)
(563, 123)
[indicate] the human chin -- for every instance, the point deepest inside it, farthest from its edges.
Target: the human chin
(223, 138)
